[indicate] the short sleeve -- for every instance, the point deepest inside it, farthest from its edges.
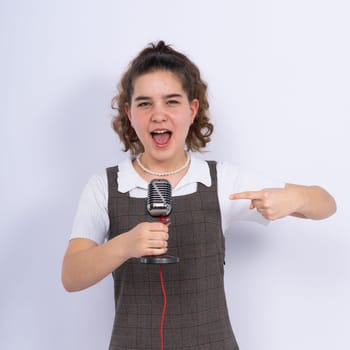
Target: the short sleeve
(91, 220)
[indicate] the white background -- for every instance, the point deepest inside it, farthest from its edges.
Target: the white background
(278, 74)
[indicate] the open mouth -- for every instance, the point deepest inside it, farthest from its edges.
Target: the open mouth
(161, 137)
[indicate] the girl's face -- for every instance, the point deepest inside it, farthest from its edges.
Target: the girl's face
(161, 115)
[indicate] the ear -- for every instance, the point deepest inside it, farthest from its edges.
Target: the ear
(127, 110)
(194, 106)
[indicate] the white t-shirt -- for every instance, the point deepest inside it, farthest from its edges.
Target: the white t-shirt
(92, 221)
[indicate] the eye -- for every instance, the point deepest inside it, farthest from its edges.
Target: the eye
(173, 102)
(144, 104)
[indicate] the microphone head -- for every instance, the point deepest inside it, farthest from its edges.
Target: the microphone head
(159, 197)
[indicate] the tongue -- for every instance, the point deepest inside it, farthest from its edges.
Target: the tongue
(161, 139)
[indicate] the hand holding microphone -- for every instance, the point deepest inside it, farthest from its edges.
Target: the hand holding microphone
(148, 238)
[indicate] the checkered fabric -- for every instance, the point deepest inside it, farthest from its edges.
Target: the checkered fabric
(196, 316)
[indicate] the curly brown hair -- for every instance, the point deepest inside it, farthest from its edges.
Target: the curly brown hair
(162, 57)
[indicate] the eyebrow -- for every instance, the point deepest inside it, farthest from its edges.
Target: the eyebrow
(142, 98)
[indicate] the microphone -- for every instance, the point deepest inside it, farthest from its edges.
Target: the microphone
(159, 198)
(158, 204)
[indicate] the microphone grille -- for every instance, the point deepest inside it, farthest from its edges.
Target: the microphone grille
(159, 197)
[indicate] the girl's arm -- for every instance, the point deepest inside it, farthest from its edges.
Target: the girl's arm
(312, 202)
(85, 263)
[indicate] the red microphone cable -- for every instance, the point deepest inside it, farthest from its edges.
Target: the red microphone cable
(165, 220)
(164, 307)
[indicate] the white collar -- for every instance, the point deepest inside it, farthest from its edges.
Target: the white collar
(128, 178)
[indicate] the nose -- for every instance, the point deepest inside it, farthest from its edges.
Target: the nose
(159, 114)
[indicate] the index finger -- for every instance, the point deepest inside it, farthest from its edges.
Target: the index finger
(158, 226)
(248, 195)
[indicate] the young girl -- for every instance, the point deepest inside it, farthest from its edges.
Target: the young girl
(162, 119)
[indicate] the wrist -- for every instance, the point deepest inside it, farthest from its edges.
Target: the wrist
(298, 197)
(120, 248)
